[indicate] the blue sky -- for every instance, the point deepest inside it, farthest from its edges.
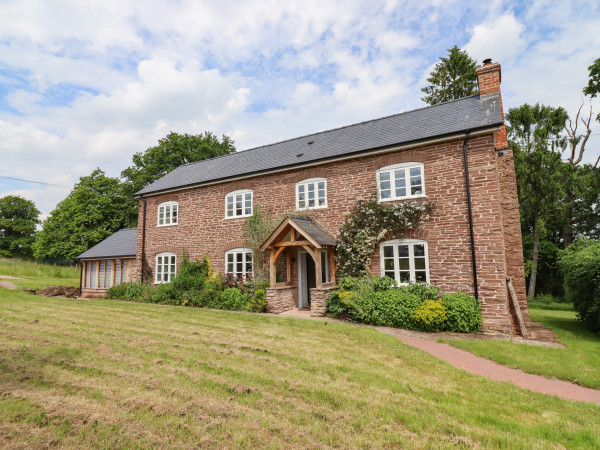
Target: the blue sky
(88, 84)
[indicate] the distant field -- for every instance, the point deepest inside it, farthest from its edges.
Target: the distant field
(38, 275)
(101, 373)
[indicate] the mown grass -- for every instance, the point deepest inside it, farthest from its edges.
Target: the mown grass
(39, 275)
(579, 362)
(102, 373)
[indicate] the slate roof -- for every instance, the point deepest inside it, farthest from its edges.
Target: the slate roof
(469, 113)
(122, 243)
(314, 229)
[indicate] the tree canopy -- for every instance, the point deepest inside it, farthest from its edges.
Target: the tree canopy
(593, 87)
(18, 219)
(173, 151)
(96, 208)
(453, 77)
(535, 134)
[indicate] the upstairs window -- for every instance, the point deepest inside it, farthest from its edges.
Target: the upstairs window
(238, 262)
(238, 204)
(311, 194)
(405, 260)
(167, 214)
(400, 181)
(166, 267)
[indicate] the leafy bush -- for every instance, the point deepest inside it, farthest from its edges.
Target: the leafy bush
(580, 264)
(233, 299)
(423, 290)
(376, 284)
(377, 301)
(258, 301)
(397, 307)
(131, 291)
(431, 315)
(463, 313)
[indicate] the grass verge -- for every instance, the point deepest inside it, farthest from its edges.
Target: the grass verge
(39, 275)
(579, 362)
(101, 373)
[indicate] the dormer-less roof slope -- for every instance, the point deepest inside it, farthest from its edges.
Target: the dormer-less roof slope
(122, 243)
(469, 113)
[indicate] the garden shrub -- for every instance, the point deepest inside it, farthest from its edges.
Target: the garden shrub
(131, 291)
(258, 301)
(423, 290)
(580, 264)
(233, 299)
(463, 313)
(417, 306)
(430, 315)
(396, 307)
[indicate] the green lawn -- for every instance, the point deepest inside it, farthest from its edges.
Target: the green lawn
(579, 362)
(102, 373)
(38, 275)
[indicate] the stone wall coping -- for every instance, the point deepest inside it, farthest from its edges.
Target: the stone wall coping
(282, 287)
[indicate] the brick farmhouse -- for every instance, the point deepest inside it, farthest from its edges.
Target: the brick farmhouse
(454, 154)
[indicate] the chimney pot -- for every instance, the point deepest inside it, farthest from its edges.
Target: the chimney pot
(487, 61)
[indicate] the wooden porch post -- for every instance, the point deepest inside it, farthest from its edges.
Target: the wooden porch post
(331, 264)
(318, 268)
(112, 272)
(288, 255)
(273, 269)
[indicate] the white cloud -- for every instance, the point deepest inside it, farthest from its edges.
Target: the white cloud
(499, 39)
(95, 82)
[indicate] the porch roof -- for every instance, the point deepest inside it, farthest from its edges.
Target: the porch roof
(308, 227)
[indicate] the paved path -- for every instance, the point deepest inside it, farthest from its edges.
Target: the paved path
(477, 365)
(462, 359)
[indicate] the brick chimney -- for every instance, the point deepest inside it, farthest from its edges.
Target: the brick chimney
(489, 77)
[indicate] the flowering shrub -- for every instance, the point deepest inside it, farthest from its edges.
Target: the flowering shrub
(430, 315)
(367, 225)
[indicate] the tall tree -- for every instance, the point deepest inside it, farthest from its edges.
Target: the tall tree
(453, 77)
(593, 87)
(534, 132)
(18, 219)
(172, 151)
(95, 208)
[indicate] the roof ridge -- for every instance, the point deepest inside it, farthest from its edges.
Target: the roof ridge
(332, 129)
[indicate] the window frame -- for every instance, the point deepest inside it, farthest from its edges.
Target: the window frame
(170, 205)
(243, 193)
(244, 252)
(391, 170)
(305, 183)
(411, 259)
(170, 274)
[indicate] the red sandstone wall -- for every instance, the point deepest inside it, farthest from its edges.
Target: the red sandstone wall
(203, 228)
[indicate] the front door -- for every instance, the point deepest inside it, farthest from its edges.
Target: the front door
(311, 276)
(308, 277)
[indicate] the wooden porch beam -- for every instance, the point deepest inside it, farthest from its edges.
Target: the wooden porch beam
(292, 244)
(273, 269)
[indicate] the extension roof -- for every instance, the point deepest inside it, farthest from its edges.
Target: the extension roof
(445, 119)
(122, 243)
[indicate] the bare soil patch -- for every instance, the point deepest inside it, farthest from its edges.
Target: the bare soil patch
(56, 291)
(8, 284)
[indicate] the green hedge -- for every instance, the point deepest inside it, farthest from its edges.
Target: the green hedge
(580, 264)
(417, 306)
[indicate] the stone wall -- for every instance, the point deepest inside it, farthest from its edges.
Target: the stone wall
(281, 298)
(318, 299)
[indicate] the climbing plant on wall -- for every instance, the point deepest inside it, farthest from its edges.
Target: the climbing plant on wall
(367, 225)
